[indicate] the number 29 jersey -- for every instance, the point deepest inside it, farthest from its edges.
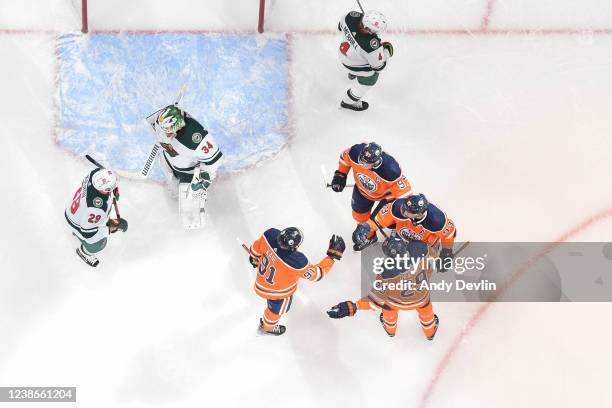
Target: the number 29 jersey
(279, 270)
(88, 211)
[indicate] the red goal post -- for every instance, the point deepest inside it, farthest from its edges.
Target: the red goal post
(260, 23)
(85, 21)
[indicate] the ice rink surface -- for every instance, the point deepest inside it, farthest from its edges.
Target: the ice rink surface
(497, 110)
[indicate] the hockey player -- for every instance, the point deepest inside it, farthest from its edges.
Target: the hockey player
(363, 54)
(413, 218)
(280, 265)
(88, 213)
(384, 297)
(377, 176)
(190, 158)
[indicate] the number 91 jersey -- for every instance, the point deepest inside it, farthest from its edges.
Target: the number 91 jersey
(279, 270)
(88, 212)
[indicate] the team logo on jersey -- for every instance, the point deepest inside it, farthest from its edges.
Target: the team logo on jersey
(367, 182)
(97, 202)
(169, 149)
(354, 14)
(374, 43)
(410, 235)
(196, 137)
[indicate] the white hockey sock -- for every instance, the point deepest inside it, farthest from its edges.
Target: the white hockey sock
(355, 93)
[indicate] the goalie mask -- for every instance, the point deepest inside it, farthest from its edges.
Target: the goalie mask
(172, 119)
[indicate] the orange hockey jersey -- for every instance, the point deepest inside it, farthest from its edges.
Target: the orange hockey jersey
(434, 227)
(385, 182)
(279, 270)
(399, 289)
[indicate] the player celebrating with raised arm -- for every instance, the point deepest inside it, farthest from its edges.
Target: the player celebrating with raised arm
(279, 267)
(377, 176)
(385, 297)
(88, 213)
(363, 54)
(413, 218)
(190, 158)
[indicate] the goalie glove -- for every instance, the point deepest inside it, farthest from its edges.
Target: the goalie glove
(343, 309)
(388, 47)
(336, 247)
(198, 187)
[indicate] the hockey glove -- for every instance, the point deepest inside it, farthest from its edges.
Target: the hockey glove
(336, 247)
(198, 188)
(446, 259)
(344, 309)
(339, 181)
(360, 237)
(115, 225)
(254, 261)
(387, 46)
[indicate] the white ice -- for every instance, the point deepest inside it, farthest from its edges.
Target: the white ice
(510, 134)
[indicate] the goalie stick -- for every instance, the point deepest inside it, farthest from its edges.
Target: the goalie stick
(146, 168)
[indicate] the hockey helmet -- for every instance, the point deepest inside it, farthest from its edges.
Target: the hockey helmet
(394, 246)
(104, 181)
(414, 206)
(374, 21)
(172, 119)
(290, 239)
(371, 156)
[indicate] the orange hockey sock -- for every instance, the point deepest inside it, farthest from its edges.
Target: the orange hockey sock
(269, 320)
(428, 322)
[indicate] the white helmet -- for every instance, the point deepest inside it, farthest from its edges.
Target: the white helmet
(374, 21)
(104, 181)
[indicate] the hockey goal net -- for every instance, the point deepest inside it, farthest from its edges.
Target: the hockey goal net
(85, 19)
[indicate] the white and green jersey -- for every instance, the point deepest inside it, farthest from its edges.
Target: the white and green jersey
(192, 146)
(361, 53)
(88, 212)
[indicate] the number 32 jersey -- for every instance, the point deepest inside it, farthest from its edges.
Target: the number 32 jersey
(88, 211)
(279, 270)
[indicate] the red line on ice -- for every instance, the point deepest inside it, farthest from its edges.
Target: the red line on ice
(456, 344)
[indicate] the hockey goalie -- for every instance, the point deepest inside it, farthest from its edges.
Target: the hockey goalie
(190, 158)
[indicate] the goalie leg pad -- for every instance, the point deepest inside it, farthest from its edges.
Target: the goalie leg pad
(192, 210)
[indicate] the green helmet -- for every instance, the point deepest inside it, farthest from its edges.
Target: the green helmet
(171, 119)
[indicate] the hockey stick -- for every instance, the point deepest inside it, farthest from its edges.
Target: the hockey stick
(327, 184)
(379, 206)
(360, 7)
(243, 246)
(462, 247)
